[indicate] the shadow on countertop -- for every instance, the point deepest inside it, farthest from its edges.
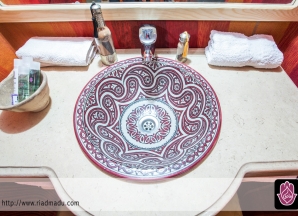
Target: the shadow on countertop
(246, 69)
(65, 68)
(17, 122)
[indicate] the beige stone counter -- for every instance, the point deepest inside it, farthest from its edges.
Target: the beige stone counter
(258, 133)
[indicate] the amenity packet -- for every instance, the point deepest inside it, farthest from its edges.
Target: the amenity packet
(14, 95)
(34, 77)
(23, 81)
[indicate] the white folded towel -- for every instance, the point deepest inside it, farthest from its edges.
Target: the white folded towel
(59, 51)
(237, 50)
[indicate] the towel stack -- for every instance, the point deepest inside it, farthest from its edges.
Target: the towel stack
(237, 50)
(59, 51)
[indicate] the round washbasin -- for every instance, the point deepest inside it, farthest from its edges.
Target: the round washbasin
(147, 120)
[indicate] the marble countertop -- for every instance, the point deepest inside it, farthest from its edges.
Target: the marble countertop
(258, 133)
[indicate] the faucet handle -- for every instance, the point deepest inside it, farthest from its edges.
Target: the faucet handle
(147, 34)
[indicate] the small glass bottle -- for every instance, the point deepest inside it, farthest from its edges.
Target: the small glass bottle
(103, 36)
(182, 47)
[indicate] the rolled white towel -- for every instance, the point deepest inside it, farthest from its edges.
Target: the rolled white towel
(264, 52)
(237, 50)
(217, 36)
(59, 51)
(227, 51)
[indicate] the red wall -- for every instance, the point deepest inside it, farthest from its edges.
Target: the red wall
(289, 46)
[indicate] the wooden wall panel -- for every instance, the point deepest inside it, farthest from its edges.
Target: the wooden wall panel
(205, 27)
(7, 54)
(289, 46)
(17, 2)
(269, 1)
(83, 29)
(276, 29)
(175, 28)
(246, 28)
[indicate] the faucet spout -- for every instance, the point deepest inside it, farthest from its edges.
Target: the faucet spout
(148, 36)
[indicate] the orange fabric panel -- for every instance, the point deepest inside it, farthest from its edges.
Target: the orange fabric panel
(11, 2)
(128, 32)
(170, 37)
(7, 55)
(16, 2)
(235, 1)
(18, 33)
(269, 1)
(84, 29)
(276, 29)
(63, 29)
(252, 1)
(205, 27)
(113, 32)
(63, 1)
(246, 28)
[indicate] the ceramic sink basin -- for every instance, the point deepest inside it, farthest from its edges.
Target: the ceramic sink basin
(147, 120)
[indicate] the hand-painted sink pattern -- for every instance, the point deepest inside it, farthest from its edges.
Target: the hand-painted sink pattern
(147, 120)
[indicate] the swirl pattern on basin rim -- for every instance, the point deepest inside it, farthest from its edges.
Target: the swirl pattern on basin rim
(147, 120)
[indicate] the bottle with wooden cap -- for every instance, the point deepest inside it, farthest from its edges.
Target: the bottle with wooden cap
(182, 47)
(103, 36)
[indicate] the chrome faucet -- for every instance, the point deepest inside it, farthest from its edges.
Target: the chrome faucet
(148, 36)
